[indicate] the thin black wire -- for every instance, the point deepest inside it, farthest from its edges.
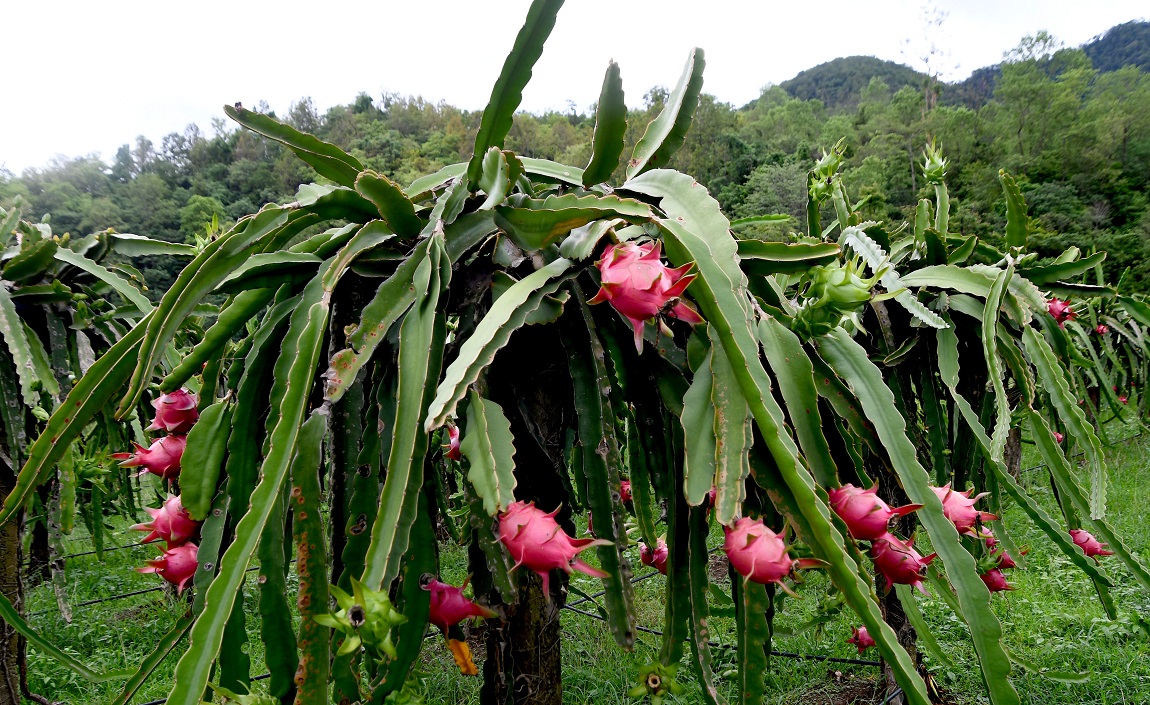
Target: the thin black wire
(1079, 455)
(784, 654)
(119, 596)
(894, 694)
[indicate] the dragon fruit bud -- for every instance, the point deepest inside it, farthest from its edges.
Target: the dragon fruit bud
(1102, 329)
(162, 458)
(177, 565)
(899, 562)
(625, 491)
(452, 446)
(657, 559)
(959, 508)
(448, 605)
(536, 541)
(175, 412)
(640, 287)
(995, 580)
(759, 554)
(866, 515)
(1061, 311)
(861, 638)
(171, 522)
(1122, 399)
(1089, 545)
(1058, 437)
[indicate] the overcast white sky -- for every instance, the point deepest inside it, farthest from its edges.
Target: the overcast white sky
(83, 77)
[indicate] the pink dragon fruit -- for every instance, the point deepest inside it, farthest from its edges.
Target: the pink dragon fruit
(452, 446)
(162, 458)
(866, 515)
(1058, 437)
(625, 491)
(657, 559)
(1102, 329)
(861, 638)
(171, 522)
(1089, 545)
(1005, 560)
(175, 412)
(1122, 399)
(899, 562)
(641, 287)
(995, 580)
(177, 565)
(759, 554)
(535, 540)
(1061, 311)
(959, 508)
(449, 607)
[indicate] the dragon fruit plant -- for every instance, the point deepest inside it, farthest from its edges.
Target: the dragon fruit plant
(556, 330)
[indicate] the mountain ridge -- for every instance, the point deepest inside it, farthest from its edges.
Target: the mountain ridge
(838, 83)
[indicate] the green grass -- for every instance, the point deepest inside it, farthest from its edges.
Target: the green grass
(1052, 618)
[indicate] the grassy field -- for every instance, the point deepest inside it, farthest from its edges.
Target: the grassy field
(1052, 618)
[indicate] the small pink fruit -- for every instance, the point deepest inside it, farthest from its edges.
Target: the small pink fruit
(899, 562)
(1061, 311)
(1089, 545)
(1058, 437)
(625, 491)
(1005, 560)
(452, 446)
(175, 412)
(1102, 329)
(1122, 399)
(449, 607)
(866, 515)
(995, 580)
(162, 458)
(171, 522)
(861, 638)
(177, 565)
(959, 508)
(640, 287)
(760, 555)
(536, 541)
(657, 559)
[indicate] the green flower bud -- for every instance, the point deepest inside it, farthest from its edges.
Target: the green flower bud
(366, 617)
(934, 165)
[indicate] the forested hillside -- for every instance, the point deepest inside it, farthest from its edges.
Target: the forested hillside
(1076, 136)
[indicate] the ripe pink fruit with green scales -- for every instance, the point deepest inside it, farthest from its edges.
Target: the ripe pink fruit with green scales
(657, 559)
(537, 542)
(1060, 310)
(640, 287)
(171, 523)
(866, 515)
(899, 563)
(449, 606)
(959, 508)
(861, 639)
(1090, 546)
(177, 565)
(995, 580)
(175, 412)
(760, 555)
(162, 458)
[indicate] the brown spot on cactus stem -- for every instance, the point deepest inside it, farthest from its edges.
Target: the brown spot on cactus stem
(304, 601)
